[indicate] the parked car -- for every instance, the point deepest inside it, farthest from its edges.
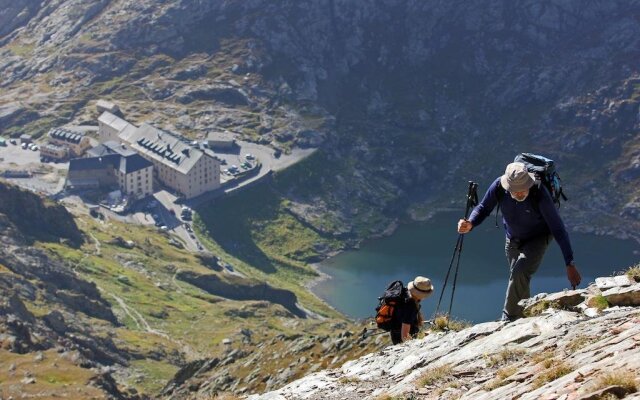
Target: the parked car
(249, 156)
(13, 142)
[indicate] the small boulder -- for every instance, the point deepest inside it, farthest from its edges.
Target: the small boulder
(623, 296)
(613, 281)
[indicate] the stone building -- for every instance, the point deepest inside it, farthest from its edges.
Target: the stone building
(112, 164)
(76, 142)
(53, 152)
(110, 125)
(183, 168)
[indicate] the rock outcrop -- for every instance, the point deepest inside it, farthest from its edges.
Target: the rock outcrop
(242, 289)
(558, 354)
(37, 218)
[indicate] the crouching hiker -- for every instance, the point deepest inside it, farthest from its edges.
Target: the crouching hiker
(399, 308)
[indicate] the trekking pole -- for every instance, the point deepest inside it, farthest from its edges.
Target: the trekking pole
(472, 200)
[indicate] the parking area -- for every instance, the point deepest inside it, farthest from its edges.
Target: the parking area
(40, 177)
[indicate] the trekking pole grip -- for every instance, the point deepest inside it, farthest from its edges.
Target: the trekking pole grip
(472, 197)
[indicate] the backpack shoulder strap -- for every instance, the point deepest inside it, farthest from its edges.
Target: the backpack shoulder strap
(499, 197)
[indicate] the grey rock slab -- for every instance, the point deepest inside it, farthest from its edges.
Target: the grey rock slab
(623, 296)
(613, 281)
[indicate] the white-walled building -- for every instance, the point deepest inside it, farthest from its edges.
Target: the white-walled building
(109, 126)
(185, 169)
(113, 164)
(76, 142)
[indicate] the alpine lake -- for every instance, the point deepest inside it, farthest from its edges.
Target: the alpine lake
(356, 278)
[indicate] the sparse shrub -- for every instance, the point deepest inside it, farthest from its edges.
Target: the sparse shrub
(634, 272)
(436, 375)
(579, 342)
(505, 356)
(540, 307)
(625, 379)
(501, 378)
(542, 356)
(385, 396)
(448, 385)
(348, 379)
(554, 369)
(599, 302)
(444, 322)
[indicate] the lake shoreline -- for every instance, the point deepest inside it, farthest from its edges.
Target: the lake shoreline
(362, 274)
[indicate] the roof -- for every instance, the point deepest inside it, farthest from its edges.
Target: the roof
(111, 147)
(113, 121)
(221, 136)
(133, 163)
(94, 163)
(66, 135)
(52, 147)
(107, 105)
(170, 149)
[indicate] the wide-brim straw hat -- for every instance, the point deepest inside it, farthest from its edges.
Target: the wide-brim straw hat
(420, 288)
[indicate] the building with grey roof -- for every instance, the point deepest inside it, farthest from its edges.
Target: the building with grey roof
(185, 169)
(113, 164)
(221, 140)
(76, 142)
(110, 125)
(54, 152)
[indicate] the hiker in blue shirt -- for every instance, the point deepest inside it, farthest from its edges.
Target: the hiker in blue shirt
(531, 221)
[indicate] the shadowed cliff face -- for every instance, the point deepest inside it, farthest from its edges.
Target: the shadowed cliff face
(243, 290)
(37, 218)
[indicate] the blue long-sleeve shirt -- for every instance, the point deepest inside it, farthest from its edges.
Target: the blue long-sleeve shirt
(524, 220)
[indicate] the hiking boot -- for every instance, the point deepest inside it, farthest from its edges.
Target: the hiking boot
(507, 318)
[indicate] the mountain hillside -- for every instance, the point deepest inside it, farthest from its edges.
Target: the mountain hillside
(405, 99)
(569, 351)
(127, 313)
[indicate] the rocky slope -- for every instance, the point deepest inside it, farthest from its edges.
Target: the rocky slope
(406, 99)
(124, 314)
(37, 219)
(50, 317)
(572, 351)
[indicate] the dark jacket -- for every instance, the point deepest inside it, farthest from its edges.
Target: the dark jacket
(536, 215)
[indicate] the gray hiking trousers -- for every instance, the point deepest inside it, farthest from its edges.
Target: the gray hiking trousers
(524, 259)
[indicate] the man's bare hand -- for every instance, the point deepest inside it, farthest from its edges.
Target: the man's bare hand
(573, 275)
(464, 226)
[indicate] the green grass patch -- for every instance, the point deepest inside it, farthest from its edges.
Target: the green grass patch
(152, 375)
(599, 302)
(21, 49)
(540, 307)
